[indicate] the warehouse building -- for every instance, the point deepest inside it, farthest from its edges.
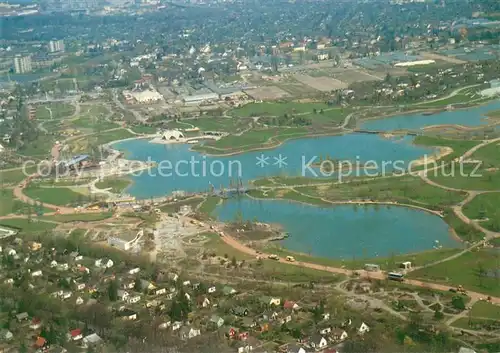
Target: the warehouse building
(200, 98)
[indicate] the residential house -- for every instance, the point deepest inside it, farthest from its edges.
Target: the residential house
(128, 284)
(35, 324)
(217, 321)
(173, 276)
(186, 283)
(91, 340)
(122, 295)
(295, 349)
(40, 343)
(325, 330)
(37, 273)
(290, 305)
(147, 285)
(283, 319)
(226, 290)
(244, 347)
(186, 333)
(66, 295)
(133, 271)
(53, 263)
(10, 252)
(203, 302)
(231, 333)
(339, 335)
(248, 322)
(104, 263)
(240, 311)
(266, 300)
(164, 325)
(79, 301)
(160, 291)
(211, 290)
(80, 286)
(63, 267)
(75, 256)
(176, 325)
(34, 246)
(75, 335)
(270, 315)
(128, 314)
(22, 317)
(153, 303)
(242, 336)
(326, 316)
(5, 335)
(363, 328)
(318, 342)
(133, 299)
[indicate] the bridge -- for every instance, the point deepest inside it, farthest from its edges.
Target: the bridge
(380, 132)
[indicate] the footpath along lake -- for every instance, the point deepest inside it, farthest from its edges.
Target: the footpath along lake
(345, 231)
(187, 170)
(474, 116)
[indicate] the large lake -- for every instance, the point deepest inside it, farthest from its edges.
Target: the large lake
(474, 116)
(345, 231)
(183, 169)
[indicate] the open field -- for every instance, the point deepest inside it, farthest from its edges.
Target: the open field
(59, 111)
(464, 176)
(277, 109)
(54, 196)
(27, 226)
(351, 75)
(209, 205)
(323, 84)
(15, 176)
(267, 93)
(488, 155)
(486, 310)
(8, 204)
(459, 146)
(485, 207)
(115, 184)
(230, 125)
(471, 270)
(79, 217)
(175, 206)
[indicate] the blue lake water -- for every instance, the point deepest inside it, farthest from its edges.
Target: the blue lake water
(179, 168)
(343, 232)
(468, 117)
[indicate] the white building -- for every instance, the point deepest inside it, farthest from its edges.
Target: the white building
(170, 135)
(363, 328)
(125, 243)
(200, 98)
(22, 64)
(56, 46)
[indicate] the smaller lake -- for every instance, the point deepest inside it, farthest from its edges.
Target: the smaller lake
(343, 231)
(467, 117)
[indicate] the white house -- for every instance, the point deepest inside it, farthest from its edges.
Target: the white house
(363, 328)
(186, 283)
(160, 291)
(104, 263)
(134, 271)
(122, 295)
(211, 290)
(176, 325)
(339, 335)
(79, 301)
(295, 349)
(53, 263)
(37, 273)
(325, 330)
(134, 299)
(170, 135)
(164, 325)
(80, 286)
(66, 295)
(10, 252)
(205, 303)
(318, 342)
(188, 297)
(91, 340)
(63, 267)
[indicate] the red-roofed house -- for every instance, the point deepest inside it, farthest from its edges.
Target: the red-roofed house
(40, 342)
(291, 305)
(75, 335)
(36, 323)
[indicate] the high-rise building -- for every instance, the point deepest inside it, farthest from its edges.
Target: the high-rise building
(56, 46)
(22, 64)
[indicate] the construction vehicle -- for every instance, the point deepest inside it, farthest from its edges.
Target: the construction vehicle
(273, 257)
(290, 258)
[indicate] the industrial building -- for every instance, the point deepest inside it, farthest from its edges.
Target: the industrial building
(22, 64)
(494, 89)
(199, 98)
(142, 97)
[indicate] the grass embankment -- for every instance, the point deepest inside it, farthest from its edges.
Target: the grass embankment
(10, 205)
(459, 147)
(79, 217)
(473, 270)
(253, 139)
(485, 208)
(116, 185)
(208, 206)
(54, 196)
(27, 226)
(268, 269)
(385, 263)
(230, 125)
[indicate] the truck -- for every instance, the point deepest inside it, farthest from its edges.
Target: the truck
(273, 257)
(290, 258)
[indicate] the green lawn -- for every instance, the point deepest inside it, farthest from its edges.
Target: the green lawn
(219, 124)
(59, 111)
(463, 230)
(209, 205)
(54, 196)
(40, 147)
(276, 109)
(486, 310)
(79, 217)
(459, 146)
(464, 176)
(467, 270)
(175, 206)
(487, 207)
(109, 136)
(15, 176)
(8, 204)
(26, 226)
(97, 124)
(488, 155)
(116, 184)
(143, 129)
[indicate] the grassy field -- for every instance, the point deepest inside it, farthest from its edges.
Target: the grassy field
(463, 230)
(276, 109)
(26, 226)
(175, 206)
(459, 146)
(486, 310)
(59, 111)
(8, 204)
(54, 196)
(209, 205)
(142, 129)
(15, 176)
(488, 155)
(487, 207)
(467, 270)
(116, 184)
(93, 124)
(251, 139)
(385, 263)
(456, 99)
(79, 217)
(465, 177)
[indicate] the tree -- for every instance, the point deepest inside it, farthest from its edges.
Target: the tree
(458, 302)
(138, 285)
(438, 315)
(234, 263)
(113, 291)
